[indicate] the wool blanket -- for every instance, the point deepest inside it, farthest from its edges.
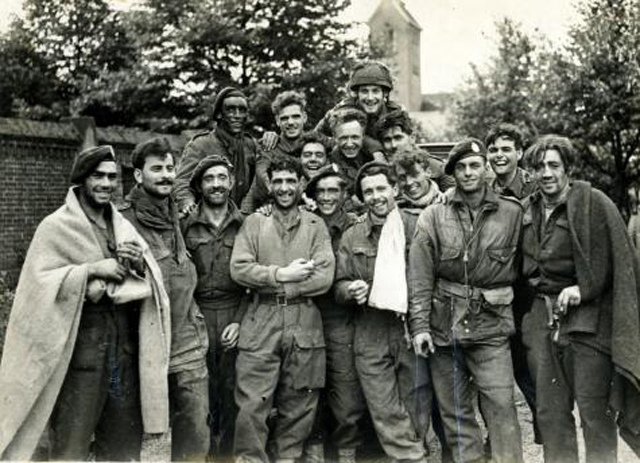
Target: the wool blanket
(44, 323)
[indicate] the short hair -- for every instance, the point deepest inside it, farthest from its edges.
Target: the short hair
(396, 118)
(314, 137)
(282, 162)
(157, 146)
(510, 131)
(288, 98)
(346, 115)
(535, 153)
(407, 159)
(377, 169)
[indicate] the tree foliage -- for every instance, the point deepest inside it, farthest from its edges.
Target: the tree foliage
(587, 89)
(159, 64)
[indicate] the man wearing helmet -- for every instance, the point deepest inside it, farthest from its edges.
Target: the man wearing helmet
(370, 85)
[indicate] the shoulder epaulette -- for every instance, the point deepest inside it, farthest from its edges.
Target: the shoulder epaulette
(200, 134)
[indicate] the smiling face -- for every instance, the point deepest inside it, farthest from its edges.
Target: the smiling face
(371, 98)
(350, 136)
(503, 156)
(470, 174)
(216, 185)
(157, 175)
(378, 195)
(99, 187)
(551, 174)
(286, 188)
(291, 120)
(312, 158)
(330, 195)
(394, 140)
(414, 182)
(234, 114)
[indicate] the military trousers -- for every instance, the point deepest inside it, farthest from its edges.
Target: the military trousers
(395, 383)
(343, 393)
(458, 372)
(189, 405)
(568, 372)
(221, 363)
(101, 394)
(281, 363)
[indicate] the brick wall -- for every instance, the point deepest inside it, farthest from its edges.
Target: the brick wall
(35, 163)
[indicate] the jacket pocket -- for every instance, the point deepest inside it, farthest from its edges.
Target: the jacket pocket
(449, 253)
(441, 307)
(364, 261)
(502, 255)
(308, 361)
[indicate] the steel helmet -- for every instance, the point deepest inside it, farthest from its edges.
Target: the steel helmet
(370, 73)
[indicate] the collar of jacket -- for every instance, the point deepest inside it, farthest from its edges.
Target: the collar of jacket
(421, 203)
(339, 221)
(198, 217)
(517, 184)
(490, 200)
(152, 214)
(289, 223)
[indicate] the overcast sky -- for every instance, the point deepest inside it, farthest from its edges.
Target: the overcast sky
(454, 32)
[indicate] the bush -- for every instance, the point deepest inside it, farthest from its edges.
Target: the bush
(6, 301)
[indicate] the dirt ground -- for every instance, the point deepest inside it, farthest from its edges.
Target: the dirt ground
(158, 449)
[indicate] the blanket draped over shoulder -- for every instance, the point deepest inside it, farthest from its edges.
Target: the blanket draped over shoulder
(609, 278)
(44, 323)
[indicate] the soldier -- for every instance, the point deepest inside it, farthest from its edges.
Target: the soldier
(230, 139)
(584, 320)
(504, 151)
(87, 343)
(151, 210)
(348, 154)
(210, 232)
(370, 85)
(314, 154)
(391, 377)
(343, 393)
(286, 259)
(462, 266)
(395, 131)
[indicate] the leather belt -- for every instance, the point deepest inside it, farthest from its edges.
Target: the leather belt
(281, 299)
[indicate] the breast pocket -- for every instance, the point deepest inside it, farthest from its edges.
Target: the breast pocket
(201, 250)
(364, 261)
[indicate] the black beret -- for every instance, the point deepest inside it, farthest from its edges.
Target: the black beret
(222, 95)
(201, 168)
(156, 146)
(385, 168)
(467, 147)
(330, 170)
(87, 160)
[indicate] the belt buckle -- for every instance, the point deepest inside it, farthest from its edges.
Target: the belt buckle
(281, 299)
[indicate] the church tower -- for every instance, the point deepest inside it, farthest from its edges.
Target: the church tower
(392, 27)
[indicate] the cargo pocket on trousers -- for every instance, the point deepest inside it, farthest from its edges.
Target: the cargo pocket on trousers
(308, 362)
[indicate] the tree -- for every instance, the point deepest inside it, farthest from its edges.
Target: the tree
(592, 94)
(506, 90)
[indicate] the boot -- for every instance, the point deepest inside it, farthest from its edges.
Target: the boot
(313, 453)
(346, 455)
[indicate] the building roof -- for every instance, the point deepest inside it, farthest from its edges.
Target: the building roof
(401, 8)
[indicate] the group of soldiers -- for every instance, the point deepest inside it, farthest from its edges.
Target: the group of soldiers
(270, 299)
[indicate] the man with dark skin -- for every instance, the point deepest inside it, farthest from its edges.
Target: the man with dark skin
(286, 259)
(151, 210)
(230, 139)
(210, 232)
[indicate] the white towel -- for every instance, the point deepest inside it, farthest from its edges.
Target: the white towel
(389, 288)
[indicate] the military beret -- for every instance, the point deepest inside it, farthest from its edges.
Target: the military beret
(201, 168)
(465, 148)
(156, 146)
(330, 170)
(383, 168)
(87, 160)
(227, 92)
